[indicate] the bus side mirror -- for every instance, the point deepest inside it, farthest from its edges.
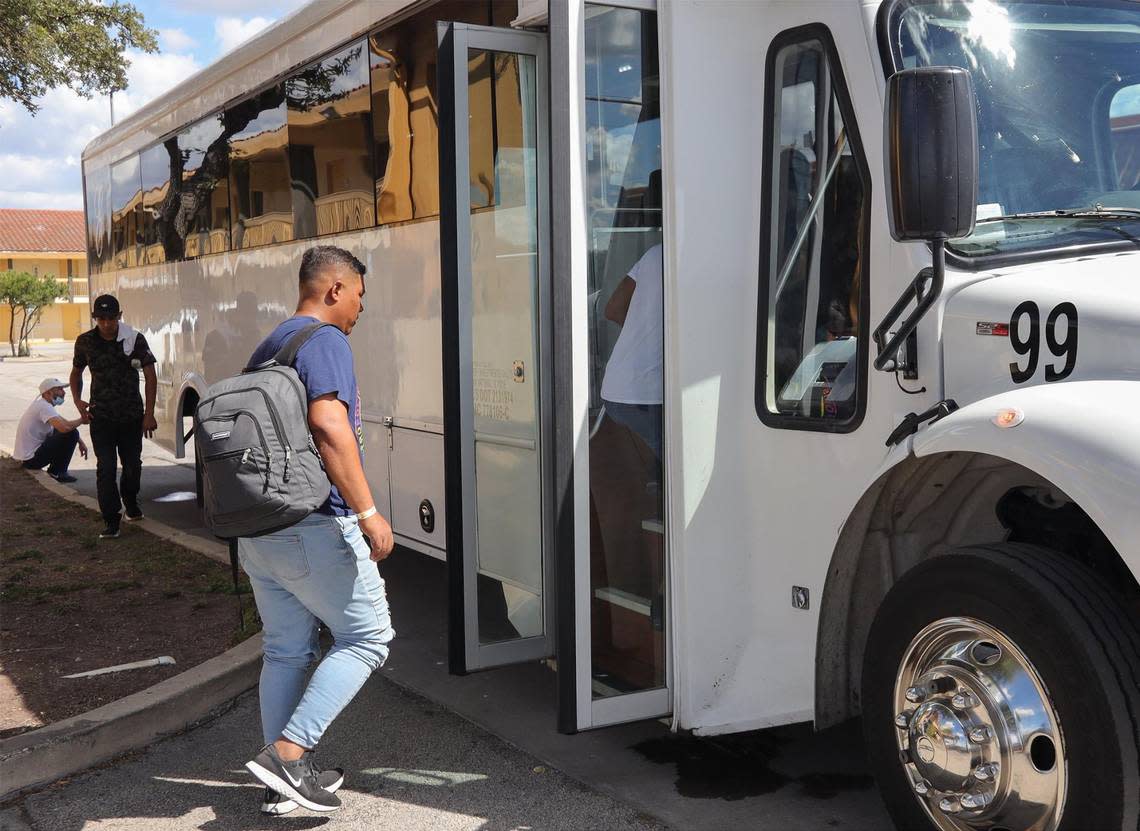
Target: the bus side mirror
(932, 163)
(932, 153)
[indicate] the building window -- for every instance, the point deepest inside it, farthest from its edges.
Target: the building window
(261, 199)
(813, 286)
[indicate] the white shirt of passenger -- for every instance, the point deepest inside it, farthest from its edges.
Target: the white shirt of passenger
(33, 428)
(633, 374)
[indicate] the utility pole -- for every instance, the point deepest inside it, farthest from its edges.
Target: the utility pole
(112, 97)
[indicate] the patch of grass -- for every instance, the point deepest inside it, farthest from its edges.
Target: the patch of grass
(20, 575)
(23, 509)
(88, 545)
(172, 594)
(36, 594)
(221, 584)
(250, 624)
(119, 585)
(30, 554)
(67, 608)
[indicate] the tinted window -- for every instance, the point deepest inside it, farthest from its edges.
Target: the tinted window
(812, 277)
(330, 141)
(261, 202)
(126, 205)
(404, 126)
(203, 221)
(98, 204)
(155, 165)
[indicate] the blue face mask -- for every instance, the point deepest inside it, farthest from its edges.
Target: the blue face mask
(57, 400)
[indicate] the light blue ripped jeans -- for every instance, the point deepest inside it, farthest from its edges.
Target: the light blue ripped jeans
(315, 571)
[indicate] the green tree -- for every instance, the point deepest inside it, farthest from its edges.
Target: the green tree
(29, 295)
(79, 44)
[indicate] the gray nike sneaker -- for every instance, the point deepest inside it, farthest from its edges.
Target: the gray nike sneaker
(294, 780)
(275, 804)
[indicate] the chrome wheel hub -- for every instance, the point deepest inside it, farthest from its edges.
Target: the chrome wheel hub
(978, 737)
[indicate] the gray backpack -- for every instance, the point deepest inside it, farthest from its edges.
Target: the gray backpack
(260, 468)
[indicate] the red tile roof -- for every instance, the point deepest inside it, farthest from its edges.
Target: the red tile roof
(24, 230)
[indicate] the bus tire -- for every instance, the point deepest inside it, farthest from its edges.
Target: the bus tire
(199, 493)
(940, 737)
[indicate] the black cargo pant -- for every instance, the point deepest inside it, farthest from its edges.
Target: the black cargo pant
(121, 439)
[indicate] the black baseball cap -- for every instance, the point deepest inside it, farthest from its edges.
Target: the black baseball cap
(105, 306)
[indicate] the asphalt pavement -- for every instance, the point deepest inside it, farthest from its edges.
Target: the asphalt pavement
(411, 765)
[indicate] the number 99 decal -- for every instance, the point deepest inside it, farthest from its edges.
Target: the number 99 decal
(1062, 341)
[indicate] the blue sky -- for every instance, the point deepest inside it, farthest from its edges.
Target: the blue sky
(39, 156)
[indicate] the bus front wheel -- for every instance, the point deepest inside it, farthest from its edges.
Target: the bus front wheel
(1001, 690)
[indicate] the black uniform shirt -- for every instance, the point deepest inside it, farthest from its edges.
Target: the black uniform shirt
(114, 375)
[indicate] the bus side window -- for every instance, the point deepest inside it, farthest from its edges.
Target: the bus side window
(330, 157)
(97, 194)
(813, 243)
(126, 205)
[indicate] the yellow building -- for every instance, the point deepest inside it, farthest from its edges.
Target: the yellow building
(48, 242)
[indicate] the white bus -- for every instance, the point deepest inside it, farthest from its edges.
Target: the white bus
(625, 261)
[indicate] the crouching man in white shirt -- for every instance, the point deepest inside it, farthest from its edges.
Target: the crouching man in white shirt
(44, 437)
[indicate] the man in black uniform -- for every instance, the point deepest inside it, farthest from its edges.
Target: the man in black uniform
(114, 352)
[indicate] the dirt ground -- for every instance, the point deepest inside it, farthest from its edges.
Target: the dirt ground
(70, 602)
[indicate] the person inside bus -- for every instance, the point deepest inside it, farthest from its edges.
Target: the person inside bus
(115, 353)
(44, 437)
(632, 385)
(323, 568)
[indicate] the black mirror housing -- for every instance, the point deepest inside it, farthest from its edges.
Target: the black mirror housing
(932, 153)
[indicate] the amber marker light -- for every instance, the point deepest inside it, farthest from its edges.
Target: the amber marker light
(1009, 417)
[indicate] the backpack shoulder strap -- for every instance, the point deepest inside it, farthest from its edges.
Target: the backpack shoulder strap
(287, 354)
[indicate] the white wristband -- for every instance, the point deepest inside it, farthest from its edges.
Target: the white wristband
(365, 514)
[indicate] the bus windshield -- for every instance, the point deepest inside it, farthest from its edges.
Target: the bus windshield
(1058, 95)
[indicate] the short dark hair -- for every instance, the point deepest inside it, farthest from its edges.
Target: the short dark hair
(320, 257)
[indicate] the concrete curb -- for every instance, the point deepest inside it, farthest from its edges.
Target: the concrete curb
(42, 756)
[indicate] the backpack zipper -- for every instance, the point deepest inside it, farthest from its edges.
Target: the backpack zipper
(268, 405)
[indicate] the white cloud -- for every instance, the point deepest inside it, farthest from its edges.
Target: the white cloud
(39, 165)
(42, 200)
(231, 31)
(175, 40)
(151, 75)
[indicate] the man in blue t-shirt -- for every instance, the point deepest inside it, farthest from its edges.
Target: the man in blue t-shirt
(323, 569)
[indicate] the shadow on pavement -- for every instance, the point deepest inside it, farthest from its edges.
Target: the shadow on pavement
(410, 763)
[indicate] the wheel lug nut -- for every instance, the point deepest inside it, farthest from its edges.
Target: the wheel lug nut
(916, 695)
(902, 721)
(963, 701)
(975, 801)
(949, 805)
(986, 772)
(921, 787)
(980, 735)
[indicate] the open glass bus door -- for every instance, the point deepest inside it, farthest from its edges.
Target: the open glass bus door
(494, 250)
